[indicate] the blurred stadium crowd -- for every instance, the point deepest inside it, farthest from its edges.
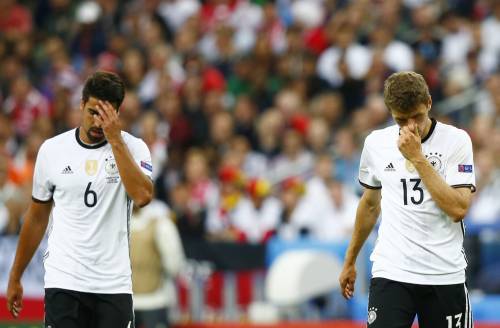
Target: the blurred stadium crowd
(255, 111)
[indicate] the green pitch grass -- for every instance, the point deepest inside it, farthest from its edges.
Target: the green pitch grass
(21, 325)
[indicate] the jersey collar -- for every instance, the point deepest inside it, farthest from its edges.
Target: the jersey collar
(84, 145)
(431, 130)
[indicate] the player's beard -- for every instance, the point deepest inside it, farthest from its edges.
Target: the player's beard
(95, 135)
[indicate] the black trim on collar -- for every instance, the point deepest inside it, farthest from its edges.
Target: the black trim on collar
(84, 145)
(431, 130)
(368, 186)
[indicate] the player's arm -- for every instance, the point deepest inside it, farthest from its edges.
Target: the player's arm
(454, 202)
(138, 185)
(366, 217)
(32, 231)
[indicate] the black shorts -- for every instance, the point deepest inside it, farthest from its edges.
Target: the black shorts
(393, 304)
(71, 309)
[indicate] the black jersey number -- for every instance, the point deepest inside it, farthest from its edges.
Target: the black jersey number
(417, 188)
(90, 197)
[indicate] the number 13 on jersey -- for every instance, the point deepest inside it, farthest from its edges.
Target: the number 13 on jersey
(417, 190)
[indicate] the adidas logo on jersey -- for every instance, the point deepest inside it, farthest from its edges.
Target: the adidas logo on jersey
(390, 168)
(67, 170)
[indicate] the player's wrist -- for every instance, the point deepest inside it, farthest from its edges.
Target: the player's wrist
(116, 140)
(15, 277)
(418, 160)
(349, 262)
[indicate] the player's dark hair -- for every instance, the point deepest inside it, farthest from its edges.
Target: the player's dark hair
(104, 86)
(404, 91)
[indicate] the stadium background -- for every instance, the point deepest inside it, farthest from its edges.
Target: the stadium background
(240, 100)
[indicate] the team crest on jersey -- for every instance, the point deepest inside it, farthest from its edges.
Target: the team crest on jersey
(372, 315)
(111, 170)
(435, 160)
(91, 167)
(110, 166)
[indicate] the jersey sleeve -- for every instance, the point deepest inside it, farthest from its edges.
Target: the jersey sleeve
(367, 175)
(43, 188)
(460, 167)
(142, 156)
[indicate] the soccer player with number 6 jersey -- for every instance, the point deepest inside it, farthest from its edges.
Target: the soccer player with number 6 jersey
(419, 175)
(86, 179)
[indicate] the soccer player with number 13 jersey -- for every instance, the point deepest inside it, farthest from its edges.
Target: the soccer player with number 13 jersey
(419, 175)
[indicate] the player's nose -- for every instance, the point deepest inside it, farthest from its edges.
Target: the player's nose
(411, 123)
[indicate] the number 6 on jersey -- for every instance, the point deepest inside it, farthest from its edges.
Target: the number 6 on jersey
(93, 197)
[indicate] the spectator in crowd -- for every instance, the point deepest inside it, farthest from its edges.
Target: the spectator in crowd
(269, 128)
(337, 222)
(329, 107)
(490, 40)
(345, 63)
(12, 200)
(24, 105)
(252, 163)
(15, 20)
(131, 112)
(8, 142)
(318, 136)
(245, 113)
(258, 214)
(221, 132)
(487, 110)
(23, 163)
(151, 134)
(297, 216)
(486, 208)
(347, 156)
(156, 257)
(220, 222)
(317, 185)
(193, 197)
(295, 159)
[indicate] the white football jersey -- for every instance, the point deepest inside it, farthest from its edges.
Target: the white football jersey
(88, 244)
(417, 242)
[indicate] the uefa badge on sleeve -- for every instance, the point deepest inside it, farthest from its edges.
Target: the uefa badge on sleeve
(147, 166)
(463, 168)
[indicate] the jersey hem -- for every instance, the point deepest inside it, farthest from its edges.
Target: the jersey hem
(431, 281)
(92, 291)
(368, 186)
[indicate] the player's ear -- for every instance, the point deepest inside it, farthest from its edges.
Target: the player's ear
(429, 104)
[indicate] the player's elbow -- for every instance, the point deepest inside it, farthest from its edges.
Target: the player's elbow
(458, 214)
(145, 196)
(143, 200)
